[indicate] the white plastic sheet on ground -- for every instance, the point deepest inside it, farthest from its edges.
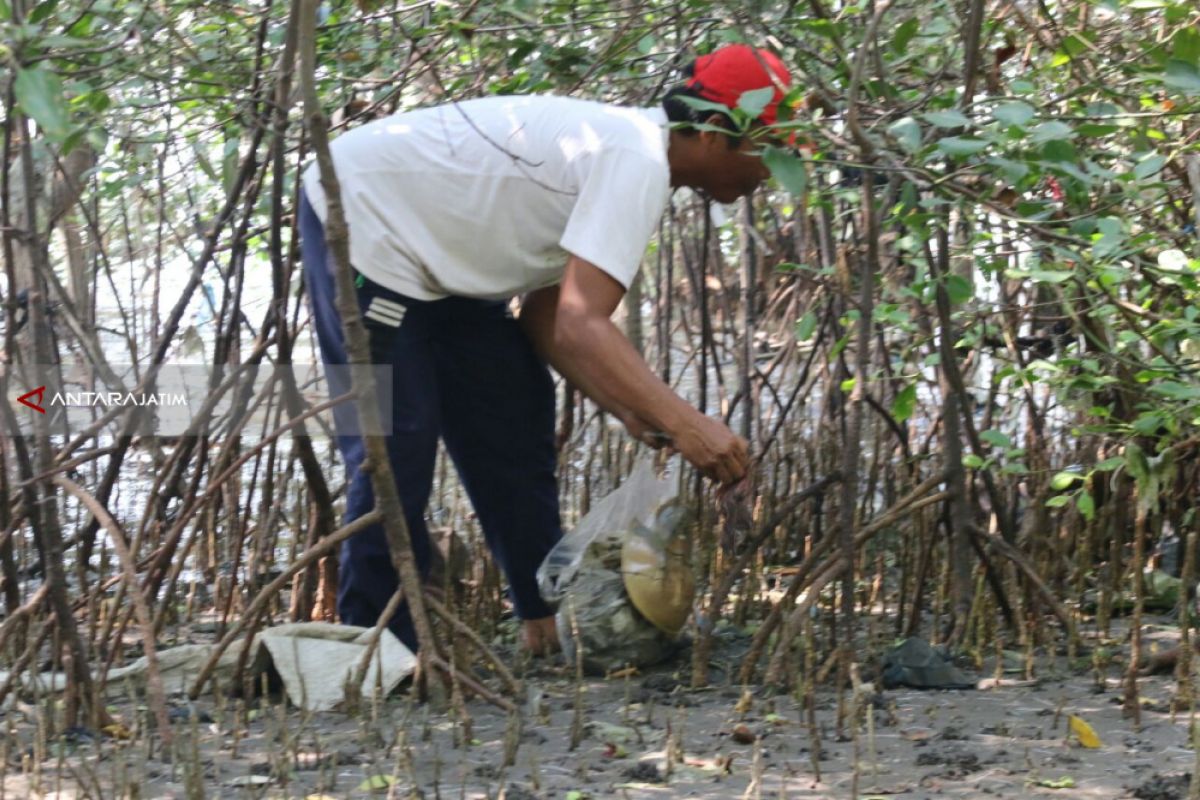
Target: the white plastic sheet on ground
(314, 660)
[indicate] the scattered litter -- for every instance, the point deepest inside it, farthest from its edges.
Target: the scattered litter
(1163, 787)
(917, 665)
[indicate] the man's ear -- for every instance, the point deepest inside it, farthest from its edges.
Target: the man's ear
(708, 136)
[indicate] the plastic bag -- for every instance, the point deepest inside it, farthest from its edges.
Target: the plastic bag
(583, 573)
(635, 500)
(612, 634)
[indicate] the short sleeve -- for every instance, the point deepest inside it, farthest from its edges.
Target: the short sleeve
(622, 195)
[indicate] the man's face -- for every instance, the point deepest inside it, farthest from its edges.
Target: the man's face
(733, 172)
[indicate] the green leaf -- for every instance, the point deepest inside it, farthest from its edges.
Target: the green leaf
(1183, 76)
(806, 327)
(1135, 463)
(1092, 129)
(904, 34)
(1051, 131)
(905, 403)
(948, 118)
(1109, 464)
(705, 105)
(1050, 275)
(43, 10)
(1014, 113)
(961, 146)
(1060, 150)
(996, 438)
(1013, 170)
(1176, 390)
(1185, 45)
(1058, 501)
(848, 384)
(959, 289)
(1112, 236)
(1065, 782)
(203, 162)
(907, 133)
(376, 782)
(787, 169)
(1064, 480)
(1149, 165)
(972, 461)
(755, 101)
(1086, 505)
(40, 95)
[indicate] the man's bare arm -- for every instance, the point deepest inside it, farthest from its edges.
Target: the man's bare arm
(571, 326)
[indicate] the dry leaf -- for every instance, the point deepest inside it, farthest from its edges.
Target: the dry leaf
(1086, 733)
(917, 734)
(745, 702)
(117, 731)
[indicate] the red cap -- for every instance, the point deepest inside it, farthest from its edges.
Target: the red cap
(724, 75)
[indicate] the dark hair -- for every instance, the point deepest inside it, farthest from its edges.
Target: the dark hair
(682, 114)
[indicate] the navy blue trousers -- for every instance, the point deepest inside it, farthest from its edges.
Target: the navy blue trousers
(463, 371)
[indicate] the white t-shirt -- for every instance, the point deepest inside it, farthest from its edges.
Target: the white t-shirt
(485, 198)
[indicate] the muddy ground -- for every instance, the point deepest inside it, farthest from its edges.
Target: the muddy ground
(643, 736)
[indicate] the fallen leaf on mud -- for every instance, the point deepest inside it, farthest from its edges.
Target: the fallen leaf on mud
(117, 731)
(743, 735)
(775, 719)
(744, 703)
(719, 763)
(376, 782)
(575, 794)
(250, 780)
(318, 797)
(1065, 782)
(607, 732)
(617, 674)
(1086, 733)
(917, 734)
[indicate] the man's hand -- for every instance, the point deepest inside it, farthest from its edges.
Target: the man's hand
(712, 448)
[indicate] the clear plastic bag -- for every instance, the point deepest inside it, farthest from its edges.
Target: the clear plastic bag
(635, 500)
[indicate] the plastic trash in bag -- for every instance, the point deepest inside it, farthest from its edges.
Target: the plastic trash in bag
(612, 634)
(639, 524)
